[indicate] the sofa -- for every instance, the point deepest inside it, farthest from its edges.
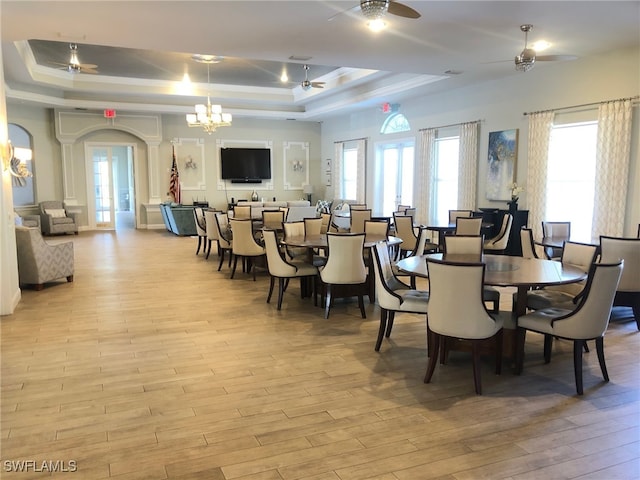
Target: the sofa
(40, 262)
(297, 209)
(178, 219)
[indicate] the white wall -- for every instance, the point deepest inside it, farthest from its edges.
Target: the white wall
(501, 104)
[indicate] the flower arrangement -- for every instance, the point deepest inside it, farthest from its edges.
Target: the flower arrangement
(515, 191)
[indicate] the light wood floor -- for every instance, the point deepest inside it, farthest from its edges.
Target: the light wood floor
(153, 365)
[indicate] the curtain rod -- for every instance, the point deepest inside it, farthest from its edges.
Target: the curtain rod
(451, 125)
(580, 106)
(351, 140)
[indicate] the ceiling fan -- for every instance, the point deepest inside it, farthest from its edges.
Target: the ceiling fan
(375, 10)
(307, 84)
(74, 65)
(527, 58)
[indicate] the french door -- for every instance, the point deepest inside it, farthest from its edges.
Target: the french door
(394, 176)
(109, 179)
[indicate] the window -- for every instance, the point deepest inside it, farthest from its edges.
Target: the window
(571, 176)
(350, 173)
(446, 178)
(395, 123)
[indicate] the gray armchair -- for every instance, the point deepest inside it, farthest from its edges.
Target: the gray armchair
(40, 262)
(56, 219)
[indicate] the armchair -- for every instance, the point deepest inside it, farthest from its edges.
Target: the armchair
(55, 218)
(40, 262)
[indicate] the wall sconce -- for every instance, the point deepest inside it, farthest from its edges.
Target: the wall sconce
(298, 166)
(15, 161)
(308, 190)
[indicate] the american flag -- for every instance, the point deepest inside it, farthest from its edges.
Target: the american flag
(174, 181)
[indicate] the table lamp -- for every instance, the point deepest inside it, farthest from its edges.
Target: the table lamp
(308, 190)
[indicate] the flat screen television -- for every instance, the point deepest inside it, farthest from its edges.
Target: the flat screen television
(245, 165)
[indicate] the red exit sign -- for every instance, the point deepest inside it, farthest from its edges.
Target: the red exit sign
(109, 113)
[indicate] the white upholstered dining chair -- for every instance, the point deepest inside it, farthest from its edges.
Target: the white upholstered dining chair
(393, 295)
(627, 249)
(244, 246)
(345, 267)
(499, 243)
(456, 311)
(284, 270)
(588, 321)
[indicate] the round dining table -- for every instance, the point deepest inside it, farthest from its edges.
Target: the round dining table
(505, 271)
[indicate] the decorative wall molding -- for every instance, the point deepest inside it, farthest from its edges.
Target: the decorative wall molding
(295, 160)
(191, 163)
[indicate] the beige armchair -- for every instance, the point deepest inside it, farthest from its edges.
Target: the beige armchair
(40, 262)
(56, 219)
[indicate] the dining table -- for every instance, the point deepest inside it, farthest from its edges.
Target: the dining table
(557, 241)
(505, 271)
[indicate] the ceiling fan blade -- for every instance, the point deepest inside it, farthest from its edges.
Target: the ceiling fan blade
(402, 10)
(88, 70)
(555, 58)
(317, 84)
(87, 65)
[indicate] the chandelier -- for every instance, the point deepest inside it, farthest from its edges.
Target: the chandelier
(208, 116)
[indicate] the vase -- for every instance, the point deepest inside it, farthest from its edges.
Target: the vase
(254, 196)
(513, 206)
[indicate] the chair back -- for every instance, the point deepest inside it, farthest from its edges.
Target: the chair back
(591, 318)
(556, 229)
(378, 228)
(453, 214)
(580, 255)
(358, 217)
(312, 226)
(463, 245)
(468, 225)
(211, 226)
(198, 216)
(357, 206)
(242, 211)
(528, 246)
(272, 219)
(293, 229)
(386, 281)
(224, 232)
(402, 208)
(286, 212)
(410, 212)
(276, 264)
(326, 222)
(404, 230)
(456, 308)
(627, 249)
(500, 241)
(244, 243)
(345, 262)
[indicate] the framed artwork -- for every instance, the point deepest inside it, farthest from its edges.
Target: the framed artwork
(501, 168)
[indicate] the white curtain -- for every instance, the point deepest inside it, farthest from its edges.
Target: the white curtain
(424, 179)
(468, 166)
(613, 150)
(540, 125)
(361, 145)
(336, 172)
